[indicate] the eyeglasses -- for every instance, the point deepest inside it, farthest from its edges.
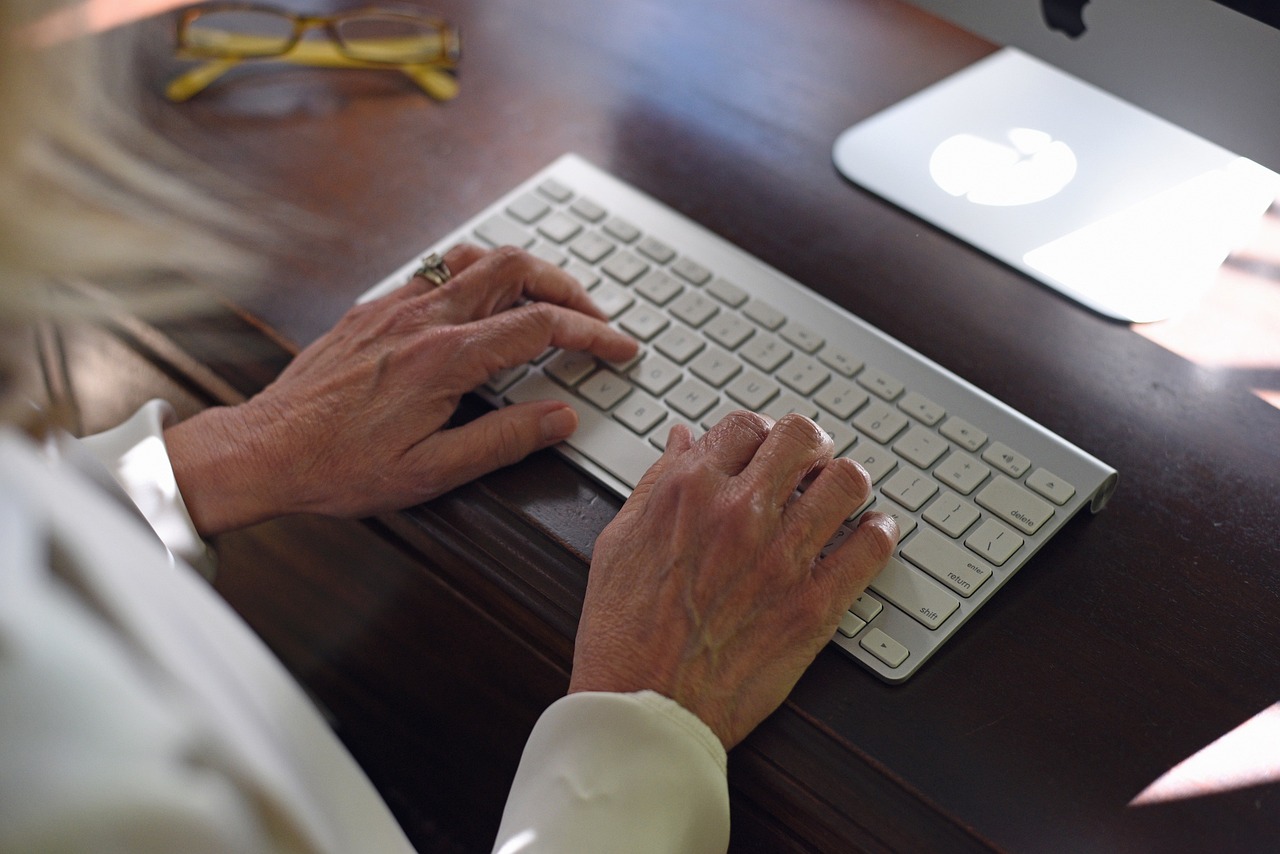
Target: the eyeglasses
(424, 49)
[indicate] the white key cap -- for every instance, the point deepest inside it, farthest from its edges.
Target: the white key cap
(655, 249)
(879, 383)
(866, 607)
(884, 647)
(715, 366)
(590, 247)
(658, 287)
(1006, 459)
(690, 270)
(787, 403)
(961, 472)
(680, 343)
(655, 374)
(764, 314)
(528, 209)
(604, 389)
(880, 422)
(911, 591)
(803, 375)
(963, 433)
(951, 514)
(727, 292)
(610, 445)
(921, 408)
(691, 398)
(620, 229)
(611, 298)
(727, 330)
(558, 227)
(801, 336)
(643, 321)
(1015, 505)
(752, 390)
(840, 361)
(587, 209)
(640, 412)
(910, 488)
(994, 541)
(1051, 486)
(571, 367)
(878, 461)
(500, 231)
(947, 562)
(625, 267)
(920, 446)
(850, 625)
(906, 522)
(694, 308)
(841, 399)
(766, 351)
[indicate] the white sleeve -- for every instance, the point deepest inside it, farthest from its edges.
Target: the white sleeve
(618, 773)
(135, 455)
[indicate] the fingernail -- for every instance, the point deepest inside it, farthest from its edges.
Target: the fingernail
(559, 424)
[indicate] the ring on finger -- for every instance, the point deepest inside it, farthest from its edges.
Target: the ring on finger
(434, 269)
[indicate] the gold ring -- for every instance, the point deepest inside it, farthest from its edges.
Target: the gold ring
(434, 270)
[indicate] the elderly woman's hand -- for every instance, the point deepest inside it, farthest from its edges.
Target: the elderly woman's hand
(708, 586)
(357, 422)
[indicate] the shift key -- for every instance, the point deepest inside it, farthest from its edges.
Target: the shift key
(915, 593)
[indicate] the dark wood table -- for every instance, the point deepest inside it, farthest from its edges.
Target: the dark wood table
(437, 635)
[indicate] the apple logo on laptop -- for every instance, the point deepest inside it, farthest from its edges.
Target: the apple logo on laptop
(1025, 167)
(1066, 16)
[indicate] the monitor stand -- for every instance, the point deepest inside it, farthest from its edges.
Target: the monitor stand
(1114, 207)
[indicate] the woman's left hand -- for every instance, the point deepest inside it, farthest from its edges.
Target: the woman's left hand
(356, 424)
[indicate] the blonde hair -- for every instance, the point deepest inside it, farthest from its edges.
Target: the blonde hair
(86, 194)
(79, 194)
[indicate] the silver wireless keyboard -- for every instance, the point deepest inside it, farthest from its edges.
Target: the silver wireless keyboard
(976, 487)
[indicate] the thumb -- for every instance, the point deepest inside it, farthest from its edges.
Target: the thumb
(500, 438)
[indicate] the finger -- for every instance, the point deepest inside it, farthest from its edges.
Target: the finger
(733, 442)
(839, 489)
(493, 441)
(794, 448)
(501, 278)
(852, 565)
(458, 258)
(679, 441)
(514, 337)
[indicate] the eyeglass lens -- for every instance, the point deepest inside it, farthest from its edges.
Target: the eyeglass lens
(374, 37)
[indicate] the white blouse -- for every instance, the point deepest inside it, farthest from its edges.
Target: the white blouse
(138, 712)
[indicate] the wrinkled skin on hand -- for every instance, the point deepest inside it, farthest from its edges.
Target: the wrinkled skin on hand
(708, 586)
(357, 423)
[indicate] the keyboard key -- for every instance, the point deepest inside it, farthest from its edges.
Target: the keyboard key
(611, 298)
(961, 472)
(504, 378)
(841, 399)
(640, 412)
(879, 383)
(842, 435)
(690, 271)
(727, 330)
(994, 541)
(906, 522)
(850, 625)
(655, 250)
(1051, 486)
(876, 460)
(590, 247)
(884, 647)
(588, 210)
(500, 231)
(528, 209)
(802, 375)
(840, 361)
(1006, 459)
(947, 562)
(716, 414)
(604, 388)
(920, 446)
(921, 408)
(915, 594)
(880, 422)
(570, 367)
(764, 314)
(715, 366)
(694, 309)
(786, 404)
(963, 433)
(766, 352)
(692, 398)
(621, 230)
(606, 442)
(625, 267)
(658, 288)
(866, 607)
(554, 190)
(951, 514)
(558, 227)
(549, 254)
(1015, 505)
(801, 336)
(909, 488)
(727, 292)
(642, 321)
(680, 344)
(752, 390)
(587, 277)
(659, 437)
(655, 374)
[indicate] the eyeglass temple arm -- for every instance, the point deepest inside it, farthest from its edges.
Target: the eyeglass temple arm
(428, 75)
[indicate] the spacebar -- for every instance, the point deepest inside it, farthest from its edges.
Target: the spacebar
(606, 442)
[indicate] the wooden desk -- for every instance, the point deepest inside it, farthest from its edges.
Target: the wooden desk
(436, 636)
